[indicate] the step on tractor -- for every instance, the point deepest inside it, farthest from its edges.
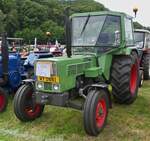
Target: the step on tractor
(142, 41)
(101, 59)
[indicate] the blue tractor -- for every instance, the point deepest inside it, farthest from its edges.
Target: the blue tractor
(14, 69)
(10, 72)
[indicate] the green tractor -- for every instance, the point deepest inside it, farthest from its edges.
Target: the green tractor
(100, 56)
(142, 41)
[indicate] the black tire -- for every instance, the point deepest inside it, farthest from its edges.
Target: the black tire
(125, 78)
(146, 66)
(141, 78)
(95, 98)
(3, 100)
(23, 104)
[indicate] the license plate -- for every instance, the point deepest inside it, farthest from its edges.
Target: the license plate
(53, 79)
(44, 69)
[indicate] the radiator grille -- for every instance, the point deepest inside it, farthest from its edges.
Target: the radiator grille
(78, 68)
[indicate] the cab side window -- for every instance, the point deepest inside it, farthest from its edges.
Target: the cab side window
(147, 45)
(128, 32)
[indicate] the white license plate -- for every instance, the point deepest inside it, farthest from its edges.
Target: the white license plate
(44, 69)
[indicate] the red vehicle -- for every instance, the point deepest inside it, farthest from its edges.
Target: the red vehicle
(53, 49)
(142, 41)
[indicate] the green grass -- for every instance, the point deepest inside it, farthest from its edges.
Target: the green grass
(125, 123)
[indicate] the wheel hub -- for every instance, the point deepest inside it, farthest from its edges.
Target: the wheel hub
(30, 109)
(133, 79)
(100, 113)
(2, 101)
(32, 112)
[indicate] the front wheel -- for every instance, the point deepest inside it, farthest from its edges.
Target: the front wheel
(24, 107)
(95, 112)
(3, 100)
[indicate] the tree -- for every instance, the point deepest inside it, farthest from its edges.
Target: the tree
(33, 14)
(57, 32)
(29, 34)
(11, 22)
(2, 25)
(32, 18)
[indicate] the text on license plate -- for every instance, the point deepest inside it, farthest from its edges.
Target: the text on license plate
(53, 79)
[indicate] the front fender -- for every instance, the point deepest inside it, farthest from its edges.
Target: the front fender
(103, 86)
(29, 81)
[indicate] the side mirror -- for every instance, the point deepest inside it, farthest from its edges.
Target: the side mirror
(117, 37)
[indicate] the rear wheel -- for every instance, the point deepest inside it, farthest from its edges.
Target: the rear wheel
(95, 112)
(146, 66)
(24, 107)
(125, 78)
(3, 100)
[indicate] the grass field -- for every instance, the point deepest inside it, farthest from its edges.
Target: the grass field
(125, 123)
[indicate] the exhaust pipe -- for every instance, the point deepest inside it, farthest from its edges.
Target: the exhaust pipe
(5, 59)
(68, 32)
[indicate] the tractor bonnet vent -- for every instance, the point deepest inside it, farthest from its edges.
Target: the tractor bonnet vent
(78, 68)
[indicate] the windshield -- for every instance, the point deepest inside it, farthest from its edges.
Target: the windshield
(139, 39)
(96, 31)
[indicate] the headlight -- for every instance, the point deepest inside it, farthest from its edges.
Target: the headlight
(56, 87)
(40, 85)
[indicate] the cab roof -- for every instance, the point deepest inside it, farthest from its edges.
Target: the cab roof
(142, 30)
(101, 13)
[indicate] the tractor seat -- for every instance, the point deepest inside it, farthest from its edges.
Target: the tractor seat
(103, 39)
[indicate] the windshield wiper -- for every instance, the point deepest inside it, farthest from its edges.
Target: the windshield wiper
(85, 24)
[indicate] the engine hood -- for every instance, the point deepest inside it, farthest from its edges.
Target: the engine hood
(65, 58)
(67, 69)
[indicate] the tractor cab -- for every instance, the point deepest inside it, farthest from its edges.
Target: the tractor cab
(142, 39)
(94, 32)
(100, 32)
(142, 42)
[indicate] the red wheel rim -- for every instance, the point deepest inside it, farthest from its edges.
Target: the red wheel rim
(2, 101)
(133, 79)
(101, 113)
(32, 113)
(29, 108)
